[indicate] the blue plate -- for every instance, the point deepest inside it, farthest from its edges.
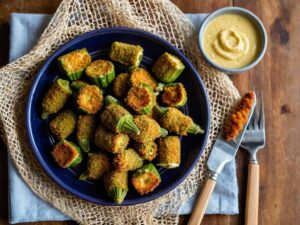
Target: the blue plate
(98, 43)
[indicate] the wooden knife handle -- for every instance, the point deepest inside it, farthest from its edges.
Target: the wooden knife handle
(252, 197)
(201, 203)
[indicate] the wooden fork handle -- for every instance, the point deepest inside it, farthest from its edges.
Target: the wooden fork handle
(252, 197)
(201, 203)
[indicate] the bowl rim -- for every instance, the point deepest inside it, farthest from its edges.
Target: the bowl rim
(258, 23)
(76, 40)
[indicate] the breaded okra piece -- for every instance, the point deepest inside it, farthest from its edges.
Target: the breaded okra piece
(147, 150)
(89, 99)
(169, 152)
(56, 97)
(118, 119)
(74, 63)
(85, 131)
(126, 55)
(109, 99)
(142, 76)
(173, 95)
(175, 121)
(66, 154)
(63, 124)
(167, 68)
(97, 165)
(128, 160)
(121, 85)
(145, 179)
(116, 185)
(110, 141)
(101, 72)
(141, 99)
(149, 129)
(77, 84)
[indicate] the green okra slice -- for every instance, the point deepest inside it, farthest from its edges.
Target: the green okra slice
(175, 121)
(56, 97)
(110, 141)
(66, 154)
(174, 95)
(101, 72)
(116, 185)
(85, 131)
(149, 129)
(118, 119)
(89, 99)
(97, 164)
(147, 150)
(167, 68)
(63, 124)
(141, 99)
(169, 152)
(127, 56)
(146, 179)
(73, 63)
(109, 99)
(121, 85)
(128, 160)
(142, 76)
(77, 84)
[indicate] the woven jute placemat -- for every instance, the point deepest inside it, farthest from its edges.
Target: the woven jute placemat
(72, 18)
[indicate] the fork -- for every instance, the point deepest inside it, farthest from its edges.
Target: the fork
(254, 140)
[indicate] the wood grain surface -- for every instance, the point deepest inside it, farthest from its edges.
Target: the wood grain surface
(277, 76)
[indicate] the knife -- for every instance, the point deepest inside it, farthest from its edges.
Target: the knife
(222, 152)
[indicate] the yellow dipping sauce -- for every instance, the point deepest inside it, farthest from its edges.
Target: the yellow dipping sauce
(231, 41)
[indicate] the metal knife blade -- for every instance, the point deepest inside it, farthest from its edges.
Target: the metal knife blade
(224, 151)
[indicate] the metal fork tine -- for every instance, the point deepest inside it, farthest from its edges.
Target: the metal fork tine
(261, 114)
(256, 117)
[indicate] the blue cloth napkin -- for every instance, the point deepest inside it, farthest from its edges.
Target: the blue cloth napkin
(25, 206)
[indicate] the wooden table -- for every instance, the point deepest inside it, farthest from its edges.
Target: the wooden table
(278, 76)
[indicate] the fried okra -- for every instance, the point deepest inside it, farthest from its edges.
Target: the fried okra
(173, 95)
(126, 55)
(63, 124)
(110, 141)
(146, 179)
(74, 63)
(85, 130)
(118, 119)
(175, 121)
(121, 85)
(97, 165)
(147, 150)
(142, 76)
(128, 160)
(111, 100)
(77, 84)
(116, 185)
(169, 152)
(101, 72)
(56, 97)
(66, 154)
(167, 68)
(89, 99)
(149, 129)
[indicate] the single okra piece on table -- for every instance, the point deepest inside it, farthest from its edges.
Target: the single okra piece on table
(146, 179)
(173, 95)
(141, 99)
(73, 63)
(128, 160)
(101, 72)
(121, 85)
(126, 55)
(116, 185)
(142, 76)
(169, 152)
(66, 154)
(110, 141)
(147, 150)
(175, 121)
(85, 131)
(118, 119)
(89, 99)
(56, 97)
(63, 124)
(77, 84)
(167, 68)
(149, 129)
